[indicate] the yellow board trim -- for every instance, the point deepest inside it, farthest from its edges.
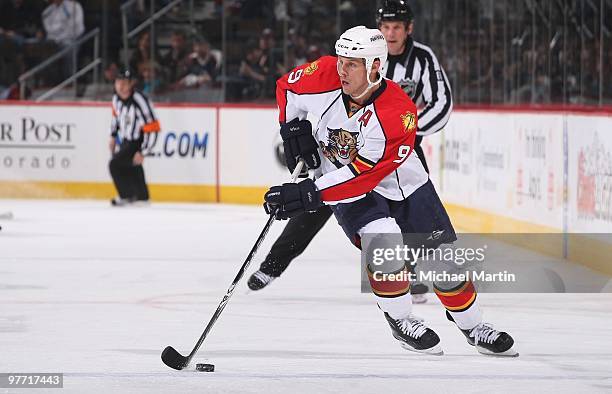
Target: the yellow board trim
(183, 193)
(242, 194)
(106, 190)
(40, 189)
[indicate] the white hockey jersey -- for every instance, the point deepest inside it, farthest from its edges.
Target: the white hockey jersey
(372, 149)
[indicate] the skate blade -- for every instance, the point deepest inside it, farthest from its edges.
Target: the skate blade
(8, 215)
(508, 353)
(432, 351)
(419, 298)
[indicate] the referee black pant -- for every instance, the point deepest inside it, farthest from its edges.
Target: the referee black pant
(128, 178)
(300, 230)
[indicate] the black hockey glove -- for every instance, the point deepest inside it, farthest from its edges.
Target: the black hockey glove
(292, 199)
(299, 142)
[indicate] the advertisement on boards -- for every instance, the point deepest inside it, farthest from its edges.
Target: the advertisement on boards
(589, 174)
(70, 143)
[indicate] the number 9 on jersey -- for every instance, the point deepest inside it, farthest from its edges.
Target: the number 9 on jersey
(402, 153)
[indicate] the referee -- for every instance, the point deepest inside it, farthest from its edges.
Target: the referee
(416, 69)
(132, 123)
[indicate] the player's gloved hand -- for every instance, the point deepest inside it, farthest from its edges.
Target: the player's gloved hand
(292, 199)
(299, 142)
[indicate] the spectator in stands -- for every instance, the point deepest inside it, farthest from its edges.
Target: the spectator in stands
(148, 70)
(142, 53)
(176, 60)
(313, 53)
(253, 72)
(63, 21)
(150, 80)
(11, 64)
(19, 20)
(266, 40)
(111, 71)
(296, 49)
(19, 25)
(9, 92)
(202, 66)
(271, 62)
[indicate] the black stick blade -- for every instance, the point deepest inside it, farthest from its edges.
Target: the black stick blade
(174, 359)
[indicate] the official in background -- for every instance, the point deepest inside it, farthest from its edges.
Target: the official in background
(415, 67)
(132, 127)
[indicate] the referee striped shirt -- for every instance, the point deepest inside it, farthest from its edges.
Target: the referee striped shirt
(133, 119)
(421, 76)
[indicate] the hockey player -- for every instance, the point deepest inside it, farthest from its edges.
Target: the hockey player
(370, 177)
(417, 70)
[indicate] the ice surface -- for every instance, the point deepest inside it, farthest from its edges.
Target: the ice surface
(97, 292)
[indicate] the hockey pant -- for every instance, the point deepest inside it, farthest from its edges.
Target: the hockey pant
(129, 179)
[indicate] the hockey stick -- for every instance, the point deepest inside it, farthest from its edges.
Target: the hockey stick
(170, 356)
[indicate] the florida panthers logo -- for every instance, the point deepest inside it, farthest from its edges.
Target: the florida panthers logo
(341, 146)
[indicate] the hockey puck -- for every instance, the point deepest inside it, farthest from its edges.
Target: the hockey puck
(205, 367)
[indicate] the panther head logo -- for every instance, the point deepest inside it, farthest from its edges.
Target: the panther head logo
(341, 145)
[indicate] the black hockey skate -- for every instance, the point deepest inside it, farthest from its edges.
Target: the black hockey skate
(259, 280)
(124, 202)
(488, 341)
(418, 291)
(413, 335)
(120, 202)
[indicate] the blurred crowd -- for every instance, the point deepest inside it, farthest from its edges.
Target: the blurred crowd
(512, 51)
(256, 54)
(188, 63)
(515, 52)
(33, 30)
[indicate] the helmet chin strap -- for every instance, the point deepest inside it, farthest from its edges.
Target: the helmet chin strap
(370, 85)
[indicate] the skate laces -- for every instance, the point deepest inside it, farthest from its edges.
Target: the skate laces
(263, 277)
(484, 333)
(412, 326)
